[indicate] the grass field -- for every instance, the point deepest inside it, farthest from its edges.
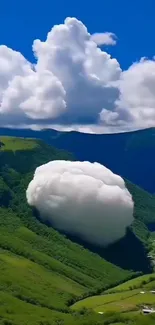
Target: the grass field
(97, 301)
(129, 296)
(134, 301)
(15, 144)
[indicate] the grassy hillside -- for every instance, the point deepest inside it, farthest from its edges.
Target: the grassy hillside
(41, 271)
(129, 299)
(142, 282)
(131, 155)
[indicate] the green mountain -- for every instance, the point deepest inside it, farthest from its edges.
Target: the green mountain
(42, 272)
(131, 154)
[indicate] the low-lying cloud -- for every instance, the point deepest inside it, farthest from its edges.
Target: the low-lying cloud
(83, 199)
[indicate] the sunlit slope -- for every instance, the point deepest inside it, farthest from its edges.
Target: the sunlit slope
(130, 296)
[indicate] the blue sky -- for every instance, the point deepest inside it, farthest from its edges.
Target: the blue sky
(132, 21)
(74, 85)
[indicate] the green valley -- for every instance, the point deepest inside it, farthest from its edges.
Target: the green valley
(42, 272)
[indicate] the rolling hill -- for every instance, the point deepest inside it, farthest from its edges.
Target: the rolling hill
(131, 155)
(42, 271)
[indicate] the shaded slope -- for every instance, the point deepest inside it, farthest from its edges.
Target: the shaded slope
(131, 251)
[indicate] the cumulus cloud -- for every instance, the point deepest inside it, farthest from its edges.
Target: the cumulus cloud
(66, 86)
(104, 38)
(75, 85)
(135, 107)
(82, 198)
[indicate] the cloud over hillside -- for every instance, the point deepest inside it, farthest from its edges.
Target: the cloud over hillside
(75, 84)
(82, 198)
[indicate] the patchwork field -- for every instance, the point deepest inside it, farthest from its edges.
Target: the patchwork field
(132, 295)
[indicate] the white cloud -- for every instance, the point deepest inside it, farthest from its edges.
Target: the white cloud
(104, 38)
(135, 107)
(37, 95)
(71, 55)
(82, 198)
(66, 86)
(75, 85)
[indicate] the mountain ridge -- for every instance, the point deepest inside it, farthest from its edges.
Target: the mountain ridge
(131, 154)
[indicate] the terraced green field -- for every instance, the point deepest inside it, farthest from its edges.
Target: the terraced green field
(96, 302)
(130, 302)
(129, 296)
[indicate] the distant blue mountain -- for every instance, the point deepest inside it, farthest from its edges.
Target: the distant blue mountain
(131, 155)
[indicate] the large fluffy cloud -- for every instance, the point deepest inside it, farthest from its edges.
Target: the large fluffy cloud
(135, 107)
(82, 198)
(75, 85)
